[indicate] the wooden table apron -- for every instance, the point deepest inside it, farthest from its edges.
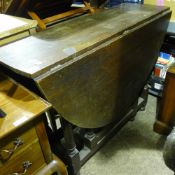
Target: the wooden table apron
(92, 68)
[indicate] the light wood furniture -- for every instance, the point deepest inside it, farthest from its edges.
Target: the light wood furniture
(166, 111)
(14, 28)
(24, 146)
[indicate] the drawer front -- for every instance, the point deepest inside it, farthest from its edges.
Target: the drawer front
(31, 159)
(13, 145)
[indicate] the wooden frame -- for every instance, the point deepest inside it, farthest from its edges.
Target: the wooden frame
(42, 23)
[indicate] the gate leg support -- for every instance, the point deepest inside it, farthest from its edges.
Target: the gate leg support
(72, 152)
(144, 95)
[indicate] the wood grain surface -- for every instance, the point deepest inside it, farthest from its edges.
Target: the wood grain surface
(33, 154)
(7, 143)
(11, 25)
(92, 68)
(99, 87)
(19, 104)
(52, 48)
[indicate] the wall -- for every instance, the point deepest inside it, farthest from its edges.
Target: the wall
(170, 3)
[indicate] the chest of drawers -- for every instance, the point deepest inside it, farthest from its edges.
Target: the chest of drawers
(24, 147)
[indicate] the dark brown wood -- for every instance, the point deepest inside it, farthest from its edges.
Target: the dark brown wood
(102, 135)
(91, 90)
(20, 7)
(144, 95)
(17, 7)
(42, 23)
(72, 153)
(166, 115)
(76, 37)
(97, 3)
(92, 68)
(46, 12)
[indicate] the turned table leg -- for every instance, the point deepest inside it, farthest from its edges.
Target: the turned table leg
(72, 152)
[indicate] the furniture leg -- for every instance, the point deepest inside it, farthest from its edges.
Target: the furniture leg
(144, 95)
(55, 166)
(72, 152)
(166, 113)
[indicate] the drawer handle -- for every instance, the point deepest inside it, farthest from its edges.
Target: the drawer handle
(17, 142)
(26, 165)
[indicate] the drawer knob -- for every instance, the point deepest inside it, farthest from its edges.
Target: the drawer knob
(25, 166)
(7, 153)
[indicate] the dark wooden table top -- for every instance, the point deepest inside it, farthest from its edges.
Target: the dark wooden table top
(50, 49)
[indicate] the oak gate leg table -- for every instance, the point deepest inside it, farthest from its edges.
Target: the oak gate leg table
(92, 69)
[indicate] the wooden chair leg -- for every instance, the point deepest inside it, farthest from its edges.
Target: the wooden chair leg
(61, 165)
(34, 16)
(55, 166)
(42, 22)
(89, 7)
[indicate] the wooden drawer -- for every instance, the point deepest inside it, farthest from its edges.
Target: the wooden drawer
(9, 144)
(33, 154)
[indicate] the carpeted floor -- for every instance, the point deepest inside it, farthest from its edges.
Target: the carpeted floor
(134, 150)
